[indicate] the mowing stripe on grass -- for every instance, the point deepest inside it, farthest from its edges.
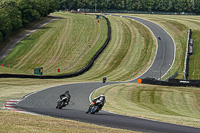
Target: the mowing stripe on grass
(170, 104)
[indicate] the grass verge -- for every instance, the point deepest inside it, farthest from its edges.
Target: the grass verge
(179, 105)
(194, 65)
(20, 123)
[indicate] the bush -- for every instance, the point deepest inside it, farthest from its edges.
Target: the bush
(1, 37)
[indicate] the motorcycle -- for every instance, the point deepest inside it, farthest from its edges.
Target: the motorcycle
(94, 107)
(104, 79)
(62, 102)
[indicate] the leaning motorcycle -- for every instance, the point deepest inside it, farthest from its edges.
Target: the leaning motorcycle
(94, 107)
(62, 102)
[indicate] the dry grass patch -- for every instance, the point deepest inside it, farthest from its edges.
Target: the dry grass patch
(18, 122)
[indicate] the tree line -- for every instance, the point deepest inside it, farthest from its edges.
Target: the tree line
(15, 14)
(137, 5)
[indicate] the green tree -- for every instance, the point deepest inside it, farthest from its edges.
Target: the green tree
(1, 37)
(158, 5)
(181, 6)
(151, 4)
(28, 10)
(5, 21)
(197, 6)
(53, 5)
(14, 14)
(129, 5)
(41, 6)
(138, 5)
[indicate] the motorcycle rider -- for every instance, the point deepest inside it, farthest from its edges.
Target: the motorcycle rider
(104, 79)
(102, 99)
(66, 94)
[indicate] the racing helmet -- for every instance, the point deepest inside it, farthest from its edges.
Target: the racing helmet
(67, 92)
(102, 95)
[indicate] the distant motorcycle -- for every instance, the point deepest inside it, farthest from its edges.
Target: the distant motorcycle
(62, 102)
(94, 107)
(104, 79)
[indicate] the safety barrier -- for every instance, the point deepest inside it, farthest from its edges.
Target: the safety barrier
(77, 73)
(171, 82)
(189, 51)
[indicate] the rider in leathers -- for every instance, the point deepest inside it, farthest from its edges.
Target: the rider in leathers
(102, 99)
(104, 79)
(66, 94)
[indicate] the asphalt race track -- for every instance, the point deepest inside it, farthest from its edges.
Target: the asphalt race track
(165, 50)
(44, 102)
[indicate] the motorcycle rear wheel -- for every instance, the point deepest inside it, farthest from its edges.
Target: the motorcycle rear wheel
(61, 105)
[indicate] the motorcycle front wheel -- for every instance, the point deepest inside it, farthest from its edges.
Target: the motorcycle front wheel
(93, 110)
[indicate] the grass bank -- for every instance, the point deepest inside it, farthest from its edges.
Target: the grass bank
(62, 44)
(18, 32)
(179, 105)
(20, 123)
(129, 53)
(194, 67)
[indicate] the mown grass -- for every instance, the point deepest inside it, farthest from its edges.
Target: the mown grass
(18, 32)
(154, 102)
(179, 105)
(129, 53)
(170, 104)
(13, 88)
(177, 26)
(194, 67)
(17, 88)
(59, 44)
(21, 123)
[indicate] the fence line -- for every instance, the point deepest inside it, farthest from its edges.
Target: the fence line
(136, 12)
(172, 82)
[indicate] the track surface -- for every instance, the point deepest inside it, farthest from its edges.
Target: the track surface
(44, 102)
